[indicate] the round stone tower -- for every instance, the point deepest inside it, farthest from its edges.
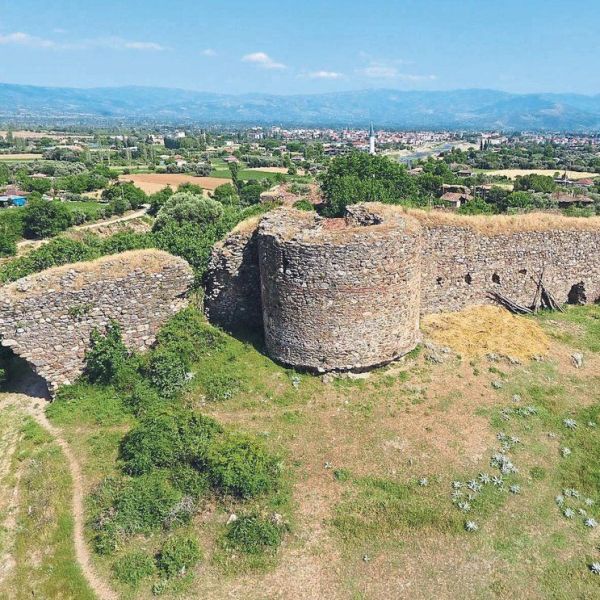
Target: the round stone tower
(340, 294)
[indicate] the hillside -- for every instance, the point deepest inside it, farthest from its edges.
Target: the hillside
(381, 473)
(459, 109)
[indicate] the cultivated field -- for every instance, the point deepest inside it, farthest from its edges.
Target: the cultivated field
(154, 182)
(512, 173)
(22, 156)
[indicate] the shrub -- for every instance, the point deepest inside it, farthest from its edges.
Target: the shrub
(178, 554)
(133, 567)
(137, 505)
(218, 385)
(240, 466)
(45, 219)
(187, 208)
(188, 334)
(304, 205)
(107, 355)
(142, 399)
(253, 534)
(189, 481)
(8, 245)
(167, 371)
(167, 439)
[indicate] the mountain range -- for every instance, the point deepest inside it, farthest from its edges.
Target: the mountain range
(456, 109)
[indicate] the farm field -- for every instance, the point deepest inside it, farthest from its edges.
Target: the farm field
(513, 173)
(370, 464)
(21, 156)
(154, 182)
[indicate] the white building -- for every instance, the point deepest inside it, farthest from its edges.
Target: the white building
(371, 140)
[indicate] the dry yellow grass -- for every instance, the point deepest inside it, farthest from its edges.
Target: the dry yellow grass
(512, 173)
(112, 266)
(480, 330)
(501, 224)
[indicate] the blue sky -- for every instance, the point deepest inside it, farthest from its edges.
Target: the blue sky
(305, 46)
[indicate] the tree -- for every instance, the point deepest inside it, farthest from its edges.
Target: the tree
(185, 208)
(226, 194)
(360, 177)
(234, 169)
(250, 194)
(126, 191)
(45, 218)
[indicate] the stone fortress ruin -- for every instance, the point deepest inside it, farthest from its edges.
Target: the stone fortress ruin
(46, 318)
(347, 294)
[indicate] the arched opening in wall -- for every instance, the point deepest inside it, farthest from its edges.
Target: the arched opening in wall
(522, 271)
(496, 278)
(468, 279)
(577, 294)
(18, 377)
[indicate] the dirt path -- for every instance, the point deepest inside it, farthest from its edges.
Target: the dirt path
(34, 407)
(25, 246)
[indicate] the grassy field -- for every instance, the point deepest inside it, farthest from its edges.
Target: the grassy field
(36, 545)
(370, 465)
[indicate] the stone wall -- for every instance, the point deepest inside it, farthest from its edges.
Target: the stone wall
(463, 265)
(47, 318)
(339, 294)
(232, 298)
(347, 294)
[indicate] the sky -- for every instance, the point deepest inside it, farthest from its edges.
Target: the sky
(303, 46)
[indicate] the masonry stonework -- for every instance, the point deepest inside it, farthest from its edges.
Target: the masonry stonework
(340, 294)
(47, 318)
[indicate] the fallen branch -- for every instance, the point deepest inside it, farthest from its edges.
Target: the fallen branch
(507, 303)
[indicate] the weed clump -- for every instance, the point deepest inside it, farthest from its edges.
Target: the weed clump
(253, 534)
(177, 555)
(133, 567)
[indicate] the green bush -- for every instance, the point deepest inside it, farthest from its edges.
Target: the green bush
(188, 334)
(45, 219)
(167, 371)
(304, 205)
(219, 386)
(188, 208)
(178, 554)
(167, 439)
(142, 399)
(190, 481)
(133, 567)
(253, 534)
(240, 466)
(106, 356)
(125, 507)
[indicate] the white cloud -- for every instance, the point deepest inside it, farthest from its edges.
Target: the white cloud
(24, 39)
(378, 71)
(263, 60)
(382, 70)
(143, 46)
(208, 52)
(325, 75)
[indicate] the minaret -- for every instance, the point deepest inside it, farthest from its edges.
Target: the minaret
(371, 140)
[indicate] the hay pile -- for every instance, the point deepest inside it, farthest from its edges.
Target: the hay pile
(481, 330)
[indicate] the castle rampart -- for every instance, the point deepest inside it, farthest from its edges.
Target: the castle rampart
(347, 294)
(47, 318)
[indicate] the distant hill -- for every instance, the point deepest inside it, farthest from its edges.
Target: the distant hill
(457, 109)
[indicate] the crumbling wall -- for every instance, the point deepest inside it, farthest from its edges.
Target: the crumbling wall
(347, 294)
(462, 265)
(232, 298)
(339, 295)
(47, 318)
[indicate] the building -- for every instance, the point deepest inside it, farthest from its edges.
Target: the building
(371, 140)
